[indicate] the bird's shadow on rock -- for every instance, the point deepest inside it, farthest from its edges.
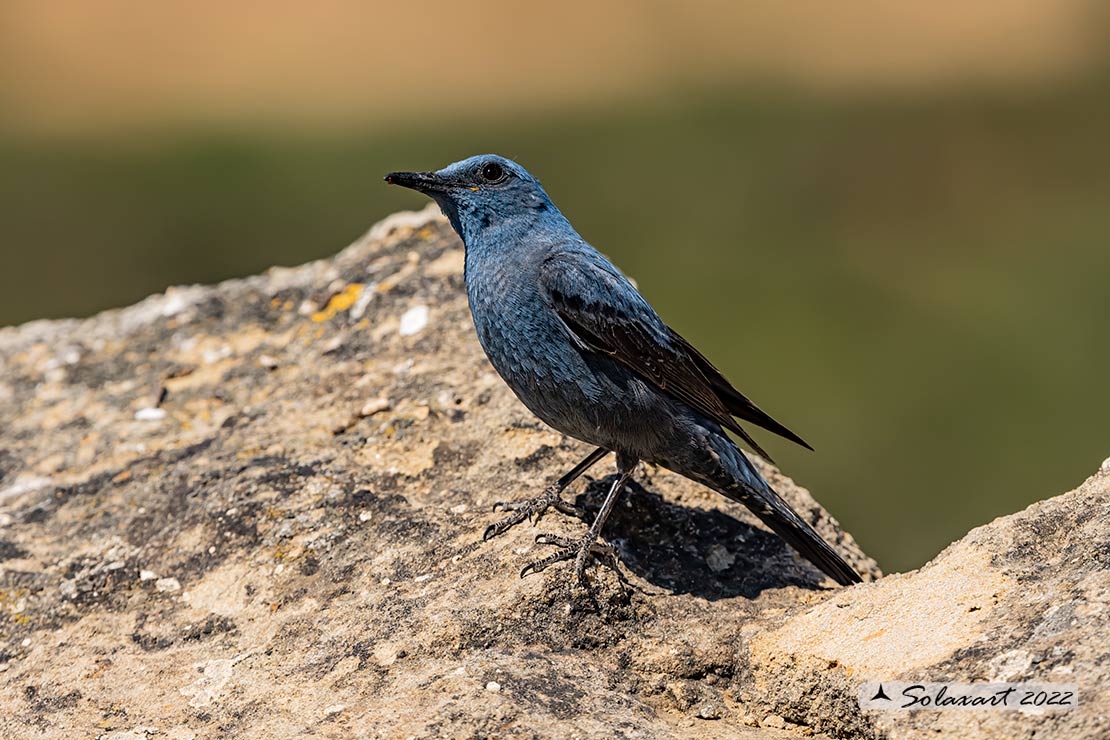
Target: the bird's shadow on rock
(688, 550)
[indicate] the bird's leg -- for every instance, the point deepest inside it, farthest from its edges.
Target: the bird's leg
(551, 497)
(570, 546)
(581, 549)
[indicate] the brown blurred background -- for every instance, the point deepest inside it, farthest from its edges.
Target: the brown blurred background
(888, 222)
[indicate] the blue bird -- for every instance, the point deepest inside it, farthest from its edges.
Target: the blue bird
(583, 350)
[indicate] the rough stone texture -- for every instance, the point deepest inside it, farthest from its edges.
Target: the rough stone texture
(253, 510)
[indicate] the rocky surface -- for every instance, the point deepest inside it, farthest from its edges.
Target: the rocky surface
(254, 510)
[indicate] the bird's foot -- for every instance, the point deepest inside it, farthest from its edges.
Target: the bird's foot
(580, 550)
(532, 508)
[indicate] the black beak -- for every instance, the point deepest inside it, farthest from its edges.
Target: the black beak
(425, 182)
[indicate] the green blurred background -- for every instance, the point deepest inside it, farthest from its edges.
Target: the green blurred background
(889, 225)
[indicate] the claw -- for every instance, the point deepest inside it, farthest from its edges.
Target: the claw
(554, 539)
(580, 550)
(530, 509)
(569, 509)
(541, 565)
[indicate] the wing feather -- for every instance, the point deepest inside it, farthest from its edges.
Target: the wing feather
(604, 311)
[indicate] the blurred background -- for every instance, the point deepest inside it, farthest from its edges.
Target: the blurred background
(889, 223)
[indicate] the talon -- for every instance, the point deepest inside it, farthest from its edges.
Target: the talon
(556, 540)
(530, 509)
(569, 509)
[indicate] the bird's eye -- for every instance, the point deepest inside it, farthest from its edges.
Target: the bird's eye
(492, 172)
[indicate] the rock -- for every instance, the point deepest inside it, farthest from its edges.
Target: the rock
(167, 584)
(268, 362)
(773, 720)
(413, 321)
(375, 406)
(150, 414)
(310, 562)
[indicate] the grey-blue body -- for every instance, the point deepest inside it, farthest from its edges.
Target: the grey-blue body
(563, 381)
(583, 350)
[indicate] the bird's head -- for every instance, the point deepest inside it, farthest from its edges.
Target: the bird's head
(480, 193)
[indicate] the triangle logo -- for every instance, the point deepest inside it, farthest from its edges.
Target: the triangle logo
(880, 694)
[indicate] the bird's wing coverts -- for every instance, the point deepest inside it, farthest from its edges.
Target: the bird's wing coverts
(606, 313)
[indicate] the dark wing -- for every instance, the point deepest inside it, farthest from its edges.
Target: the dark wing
(607, 314)
(737, 403)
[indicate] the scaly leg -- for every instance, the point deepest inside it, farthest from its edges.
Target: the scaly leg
(551, 497)
(582, 549)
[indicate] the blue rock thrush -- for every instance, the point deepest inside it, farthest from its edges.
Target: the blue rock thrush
(583, 350)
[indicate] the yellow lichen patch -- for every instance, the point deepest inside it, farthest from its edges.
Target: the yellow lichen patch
(341, 301)
(282, 552)
(12, 603)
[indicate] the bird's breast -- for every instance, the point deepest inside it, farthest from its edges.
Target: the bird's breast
(580, 392)
(524, 339)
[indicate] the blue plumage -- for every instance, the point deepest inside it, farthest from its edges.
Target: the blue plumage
(584, 351)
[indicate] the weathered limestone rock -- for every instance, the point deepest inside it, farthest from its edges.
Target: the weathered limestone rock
(254, 510)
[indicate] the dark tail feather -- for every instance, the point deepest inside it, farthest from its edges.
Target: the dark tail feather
(776, 514)
(745, 485)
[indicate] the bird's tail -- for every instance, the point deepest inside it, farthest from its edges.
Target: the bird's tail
(739, 481)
